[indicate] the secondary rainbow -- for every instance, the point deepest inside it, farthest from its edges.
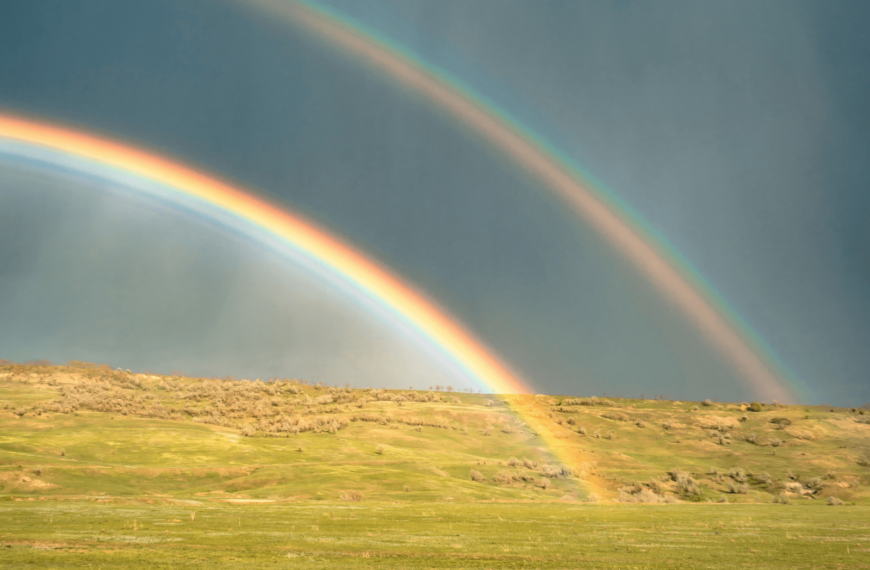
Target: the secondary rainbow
(361, 272)
(659, 263)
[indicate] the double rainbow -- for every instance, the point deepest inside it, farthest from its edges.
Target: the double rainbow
(754, 363)
(659, 263)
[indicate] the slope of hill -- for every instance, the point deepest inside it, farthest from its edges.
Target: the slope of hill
(86, 430)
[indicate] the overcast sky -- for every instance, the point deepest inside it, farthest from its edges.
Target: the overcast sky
(738, 130)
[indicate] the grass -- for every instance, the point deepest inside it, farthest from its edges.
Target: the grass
(106, 468)
(53, 534)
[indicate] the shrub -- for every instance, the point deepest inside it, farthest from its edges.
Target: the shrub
(738, 488)
(544, 483)
(635, 494)
(529, 464)
(610, 434)
(780, 422)
(640, 424)
(581, 430)
(513, 462)
(248, 430)
(863, 461)
(751, 438)
(707, 402)
(835, 502)
(380, 450)
(505, 477)
(723, 499)
(667, 424)
(737, 474)
(782, 499)
(597, 434)
(476, 476)
(351, 495)
(764, 478)
(38, 470)
(756, 407)
(743, 418)
(407, 489)
(815, 484)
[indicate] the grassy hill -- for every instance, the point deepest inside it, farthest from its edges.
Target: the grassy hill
(84, 430)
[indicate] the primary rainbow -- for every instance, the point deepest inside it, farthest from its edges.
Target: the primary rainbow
(361, 273)
(659, 263)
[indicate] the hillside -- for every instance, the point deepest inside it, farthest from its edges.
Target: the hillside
(86, 431)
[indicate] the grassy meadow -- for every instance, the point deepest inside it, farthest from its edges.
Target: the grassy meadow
(110, 468)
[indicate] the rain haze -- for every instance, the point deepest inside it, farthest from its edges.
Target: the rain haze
(738, 131)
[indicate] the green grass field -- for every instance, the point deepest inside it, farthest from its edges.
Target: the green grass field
(106, 468)
(52, 534)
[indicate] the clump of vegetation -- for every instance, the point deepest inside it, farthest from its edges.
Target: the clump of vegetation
(834, 501)
(685, 484)
(380, 449)
(707, 402)
(477, 476)
(780, 422)
(351, 495)
(755, 407)
(667, 424)
(642, 494)
(763, 478)
(738, 474)
(782, 499)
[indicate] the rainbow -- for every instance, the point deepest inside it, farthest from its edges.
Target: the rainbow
(228, 204)
(65, 150)
(658, 262)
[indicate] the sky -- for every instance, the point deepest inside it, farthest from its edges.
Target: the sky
(738, 131)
